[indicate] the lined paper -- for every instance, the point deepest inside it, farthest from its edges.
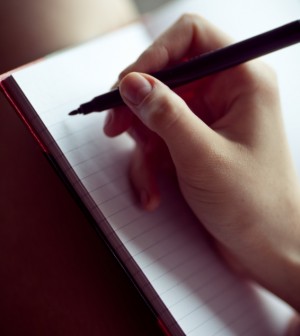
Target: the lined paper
(166, 250)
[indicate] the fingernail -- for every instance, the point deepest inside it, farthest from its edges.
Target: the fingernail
(134, 88)
(148, 201)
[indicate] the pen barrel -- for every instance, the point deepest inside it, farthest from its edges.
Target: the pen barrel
(235, 54)
(103, 102)
(209, 63)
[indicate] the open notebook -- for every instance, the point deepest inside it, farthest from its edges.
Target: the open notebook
(165, 252)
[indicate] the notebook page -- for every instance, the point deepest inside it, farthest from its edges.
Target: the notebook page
(166, 250)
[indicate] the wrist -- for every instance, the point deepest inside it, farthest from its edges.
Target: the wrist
(277, 267)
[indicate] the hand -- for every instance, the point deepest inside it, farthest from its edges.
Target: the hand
(223, 136)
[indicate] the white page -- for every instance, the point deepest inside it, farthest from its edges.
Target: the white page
(167, 245)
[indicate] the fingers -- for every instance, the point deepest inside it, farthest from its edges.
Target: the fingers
(165, 113)
(143, 179)
(161, 110)
(117, 122)
(191, 35)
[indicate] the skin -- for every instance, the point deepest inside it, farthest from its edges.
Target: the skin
(223, 138)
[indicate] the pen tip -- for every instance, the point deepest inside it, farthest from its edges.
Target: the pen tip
(73, 112)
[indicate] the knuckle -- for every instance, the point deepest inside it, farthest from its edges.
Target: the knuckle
(263, 75)
(193, 21)
(188, 18)
(159, 55)
(264, 82)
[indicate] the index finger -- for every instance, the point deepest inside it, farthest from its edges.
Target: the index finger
(191, 35)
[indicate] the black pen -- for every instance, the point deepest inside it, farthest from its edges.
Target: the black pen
(207, 64)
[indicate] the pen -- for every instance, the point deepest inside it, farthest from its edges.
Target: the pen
(207, 64)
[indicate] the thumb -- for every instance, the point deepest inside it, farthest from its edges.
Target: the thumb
(165, 113)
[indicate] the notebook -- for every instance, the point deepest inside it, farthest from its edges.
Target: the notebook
(165, 252)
